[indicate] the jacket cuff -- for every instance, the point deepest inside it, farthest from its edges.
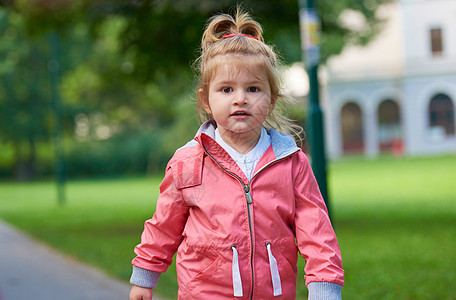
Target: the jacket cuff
(144, 278)
(324, 291)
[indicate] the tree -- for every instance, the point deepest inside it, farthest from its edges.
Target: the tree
(24, 101)
(162, 36)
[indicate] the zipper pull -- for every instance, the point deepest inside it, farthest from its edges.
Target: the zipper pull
(237, 282)
(276, 284)
(248, 197)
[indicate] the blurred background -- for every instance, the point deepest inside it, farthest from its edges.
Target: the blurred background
(96, 96)
(107, 83)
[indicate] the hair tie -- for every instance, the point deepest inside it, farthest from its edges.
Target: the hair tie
(241, 34)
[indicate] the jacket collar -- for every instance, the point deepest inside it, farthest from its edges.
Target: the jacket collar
(282, 144)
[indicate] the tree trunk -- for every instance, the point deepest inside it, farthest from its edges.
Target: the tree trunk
(25, 169)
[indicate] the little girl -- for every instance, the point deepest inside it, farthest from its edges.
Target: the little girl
(239, 201)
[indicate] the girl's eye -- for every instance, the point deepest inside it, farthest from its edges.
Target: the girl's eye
(227, 90)
(253, 89)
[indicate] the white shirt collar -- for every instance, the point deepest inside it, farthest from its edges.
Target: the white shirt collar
(247, 162)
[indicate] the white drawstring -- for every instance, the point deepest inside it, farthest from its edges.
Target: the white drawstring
(276, 285)
(237, 283)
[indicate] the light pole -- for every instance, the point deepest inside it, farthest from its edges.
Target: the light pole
(310, 38)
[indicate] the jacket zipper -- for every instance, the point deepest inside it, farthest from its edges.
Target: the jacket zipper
(249, 201)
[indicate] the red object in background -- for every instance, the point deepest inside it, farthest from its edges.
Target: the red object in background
(397, 146)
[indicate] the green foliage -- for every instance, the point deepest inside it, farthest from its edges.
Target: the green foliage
(24, 95)
(22, 59)
(394, 220)
(129, 154)
(108, 115)
(164, 35)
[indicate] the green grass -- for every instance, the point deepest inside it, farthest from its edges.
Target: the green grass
(99, 222)
(396, 223)
(395, 220)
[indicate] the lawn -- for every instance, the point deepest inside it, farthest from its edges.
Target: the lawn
(396, 223)
(395, 220)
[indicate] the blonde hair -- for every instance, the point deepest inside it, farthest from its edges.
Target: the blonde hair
(249, 52)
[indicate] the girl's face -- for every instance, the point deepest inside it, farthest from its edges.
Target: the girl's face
(239, 101)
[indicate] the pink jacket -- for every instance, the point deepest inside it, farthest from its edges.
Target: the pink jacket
(236, 238)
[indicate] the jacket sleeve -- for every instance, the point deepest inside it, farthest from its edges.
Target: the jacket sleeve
(317, 242)
(163, 233)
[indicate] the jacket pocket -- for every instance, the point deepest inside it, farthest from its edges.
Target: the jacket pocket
(205, 269)
(281, 268)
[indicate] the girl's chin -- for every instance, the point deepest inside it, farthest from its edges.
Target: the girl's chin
(242, 130)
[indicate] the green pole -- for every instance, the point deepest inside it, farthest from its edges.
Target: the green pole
(55, 75)
(310, 33)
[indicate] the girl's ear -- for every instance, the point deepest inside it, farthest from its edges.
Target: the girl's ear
(273, 103)
(204, 101)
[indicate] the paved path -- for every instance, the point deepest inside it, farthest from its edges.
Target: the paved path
(30, 270)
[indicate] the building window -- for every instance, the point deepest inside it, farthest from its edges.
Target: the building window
(441, 115)
(352, 128)
(389, 125)
(436, 41)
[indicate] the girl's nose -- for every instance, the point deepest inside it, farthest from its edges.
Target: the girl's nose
(240, 98)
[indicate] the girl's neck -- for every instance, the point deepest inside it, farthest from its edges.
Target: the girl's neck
(243, 142)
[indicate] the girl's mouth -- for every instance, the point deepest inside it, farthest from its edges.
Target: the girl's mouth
(240, 113)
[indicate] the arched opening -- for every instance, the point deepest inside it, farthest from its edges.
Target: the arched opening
(389, 126)
(352, 128)
(441, 116)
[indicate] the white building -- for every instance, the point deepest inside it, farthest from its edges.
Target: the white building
(399, 92)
